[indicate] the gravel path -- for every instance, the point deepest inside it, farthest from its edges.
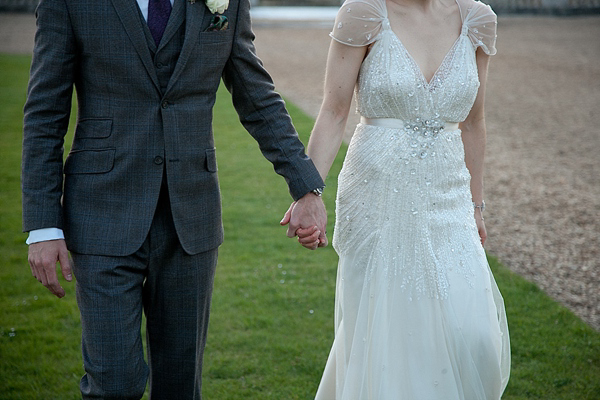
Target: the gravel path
(542, 165)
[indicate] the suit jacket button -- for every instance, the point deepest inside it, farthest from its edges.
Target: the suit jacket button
(165, 104)
(158, 160)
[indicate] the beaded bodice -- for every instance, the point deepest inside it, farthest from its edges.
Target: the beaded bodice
(391, 84)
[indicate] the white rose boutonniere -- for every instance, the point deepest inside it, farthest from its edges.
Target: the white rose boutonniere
(217, 6)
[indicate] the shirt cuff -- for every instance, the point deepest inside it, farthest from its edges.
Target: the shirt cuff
(45, 234)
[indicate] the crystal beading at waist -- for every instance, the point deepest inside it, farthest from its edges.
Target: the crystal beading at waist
(424, 126)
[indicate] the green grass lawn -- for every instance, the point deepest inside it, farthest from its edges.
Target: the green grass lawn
(272, 315)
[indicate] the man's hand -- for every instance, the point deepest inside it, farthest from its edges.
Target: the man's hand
(43, 257)
(307, 219)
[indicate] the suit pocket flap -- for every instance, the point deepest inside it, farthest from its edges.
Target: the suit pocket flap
(90, 161)
(93, 128)
(211, 160)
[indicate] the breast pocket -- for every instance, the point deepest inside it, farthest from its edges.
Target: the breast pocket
(215, 47)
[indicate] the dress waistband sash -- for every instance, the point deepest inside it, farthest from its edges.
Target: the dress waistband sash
(399, 124)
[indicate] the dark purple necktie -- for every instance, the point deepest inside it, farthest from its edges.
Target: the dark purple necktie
(158, 16)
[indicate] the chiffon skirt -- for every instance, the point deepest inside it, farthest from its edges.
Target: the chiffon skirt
(418, 315)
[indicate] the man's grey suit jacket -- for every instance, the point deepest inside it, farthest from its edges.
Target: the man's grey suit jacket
(130, 130)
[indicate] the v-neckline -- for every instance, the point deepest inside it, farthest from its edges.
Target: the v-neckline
(412, 59)
(431, 81)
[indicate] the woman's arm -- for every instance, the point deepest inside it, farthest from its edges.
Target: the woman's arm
(473, 136)
(341, 74)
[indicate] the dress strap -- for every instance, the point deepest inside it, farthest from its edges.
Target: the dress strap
(359, 22)
(479, 24)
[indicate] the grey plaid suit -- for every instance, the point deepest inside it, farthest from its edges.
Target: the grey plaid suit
(140, 182)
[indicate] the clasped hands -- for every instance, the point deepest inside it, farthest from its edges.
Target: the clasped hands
(307, 219)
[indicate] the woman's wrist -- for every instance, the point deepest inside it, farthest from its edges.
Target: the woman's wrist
(479, 208)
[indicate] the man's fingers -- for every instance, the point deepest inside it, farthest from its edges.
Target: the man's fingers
(54, 286)
(33, 268)
(48, 270)
(40, 274)
(65, 265)
(288, 215)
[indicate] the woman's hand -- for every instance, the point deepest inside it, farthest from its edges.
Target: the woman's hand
(480, 226)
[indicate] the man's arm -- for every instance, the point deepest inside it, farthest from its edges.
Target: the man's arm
(47, 113)
(263, 114)
(46, 116)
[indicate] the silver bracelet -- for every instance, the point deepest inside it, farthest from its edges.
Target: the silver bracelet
(480, 206)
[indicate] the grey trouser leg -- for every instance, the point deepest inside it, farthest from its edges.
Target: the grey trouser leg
(173, 288)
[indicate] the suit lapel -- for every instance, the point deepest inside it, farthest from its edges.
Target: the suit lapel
(175, 20)
(194, 14)
(129, 15)
(149, 38)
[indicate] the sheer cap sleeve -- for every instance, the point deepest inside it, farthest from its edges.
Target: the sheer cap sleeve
(480, 22)
(358, 23)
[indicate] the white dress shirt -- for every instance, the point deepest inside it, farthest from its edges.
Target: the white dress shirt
(45, 234)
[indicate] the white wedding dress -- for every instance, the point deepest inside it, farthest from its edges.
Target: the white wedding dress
(418, 315)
